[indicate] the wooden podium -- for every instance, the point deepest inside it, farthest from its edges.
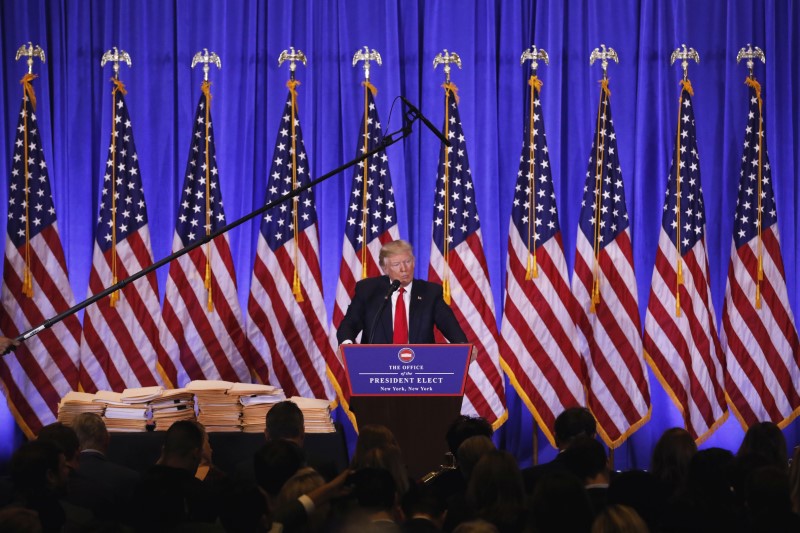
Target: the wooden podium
(414, 390)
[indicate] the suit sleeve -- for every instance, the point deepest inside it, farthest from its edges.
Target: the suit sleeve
(447, 322)
(353, 321)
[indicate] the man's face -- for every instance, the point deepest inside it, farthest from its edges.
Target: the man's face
(399, 267)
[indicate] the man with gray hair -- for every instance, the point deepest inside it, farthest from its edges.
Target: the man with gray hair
(106, 485)
(396, 308)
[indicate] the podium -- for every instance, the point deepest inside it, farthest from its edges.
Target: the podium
(415, 390)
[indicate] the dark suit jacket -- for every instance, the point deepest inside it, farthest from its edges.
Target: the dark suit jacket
(426, 310)
(101, 485)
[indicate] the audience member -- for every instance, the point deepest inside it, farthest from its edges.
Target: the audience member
(469, 453)
(619, 519)
(496, 493)
(303, 482)
(794, 480)
(571, 423)
(15, 519)
(378, 505)
(559, 504)
(670, 461)
(476, 526)
(768, 503)
(371, 436)
(766, 440)
(285, 421)
(640, 491)
(100, 485)
(65, 438)
(586, 458)
(425, 509)
(169, 490)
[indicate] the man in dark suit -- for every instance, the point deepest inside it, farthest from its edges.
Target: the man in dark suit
(396, 308)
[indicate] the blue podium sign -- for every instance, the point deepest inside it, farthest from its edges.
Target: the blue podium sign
(406, 370)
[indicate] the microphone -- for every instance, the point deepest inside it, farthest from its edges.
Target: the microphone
(418, 114)
(392, 287)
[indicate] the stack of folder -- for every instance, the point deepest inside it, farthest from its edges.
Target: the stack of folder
(216, 410)
(173, 405)
(75, 403)
(123, 414)
(256, 400)
(317, 414)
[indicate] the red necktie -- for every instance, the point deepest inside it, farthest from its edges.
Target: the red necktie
(400, 323)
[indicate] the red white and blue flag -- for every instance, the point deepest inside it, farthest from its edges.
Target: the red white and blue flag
(758, 329)
(459, 264)
(541, 352)
(371, 222)
(287, 317)
(35, 285)
(680, 331)
(604, 286)
(204, 333)
(121, 347)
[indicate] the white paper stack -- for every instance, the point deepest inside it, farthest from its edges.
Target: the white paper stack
(173, 405)
(256, 401)
(120, 415)
(75, 403)
(216, 410)
(317, 414)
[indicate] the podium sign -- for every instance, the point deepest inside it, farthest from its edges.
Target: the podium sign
(406, 370)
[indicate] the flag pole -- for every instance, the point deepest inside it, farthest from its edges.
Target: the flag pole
(750, 54)
(388, 140)
(366, 56)
(446, 58)
(116, 57)
(603, 54)
(684, 54)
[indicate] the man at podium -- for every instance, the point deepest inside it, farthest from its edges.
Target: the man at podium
(396, 308)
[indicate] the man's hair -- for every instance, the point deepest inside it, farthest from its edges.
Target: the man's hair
(585, 457)
(465, 427)
(285, 421)
(375, 489)
(182, 438)
(574, 422)
(62, 436)
(393, 248)
(91, 431)
(30, 464)
(275, 463)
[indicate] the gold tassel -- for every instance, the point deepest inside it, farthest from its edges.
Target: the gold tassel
(678, 303)
(114, 296)
(27, 282)
(297, 290)
(680, 272)
(446, 290)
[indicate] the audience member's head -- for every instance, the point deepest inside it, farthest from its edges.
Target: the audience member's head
(425, 500)
(207, 451)
(767, 440)
(65, 438)
(275, 463)
(465, 427)
(371, 436)
(574, 422)
(619, 519)
(586, 458)
(671, 456)
(476, 526)
(495, 490)
(285, 421)
(183, 446)
(639, 490)
(767, 497)
(243, 508)
(471, 451)
(559, 503)
(390, 458)
(302, 482)
(91, 431)
(39, 470)
(711, 474)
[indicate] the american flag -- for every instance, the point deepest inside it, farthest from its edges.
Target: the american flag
(287, 317)
(204, 335)
(121, 347)
(680, 334)
(371, 219)
(458, 262)
(758, 330)
(540, 352)
(618, 390)
(45, 367)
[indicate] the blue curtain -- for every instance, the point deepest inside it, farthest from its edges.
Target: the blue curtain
(248, 94)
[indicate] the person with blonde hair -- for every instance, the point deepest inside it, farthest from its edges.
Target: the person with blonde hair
(619, 519)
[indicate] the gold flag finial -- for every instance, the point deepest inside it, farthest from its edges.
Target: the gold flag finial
(534, 55)
(750, 53)
(684, 54)
(366, 56)
(446, 58)
(30, 51)
(292, 56)
(116, 57)
(206, 58)
(603, 54)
